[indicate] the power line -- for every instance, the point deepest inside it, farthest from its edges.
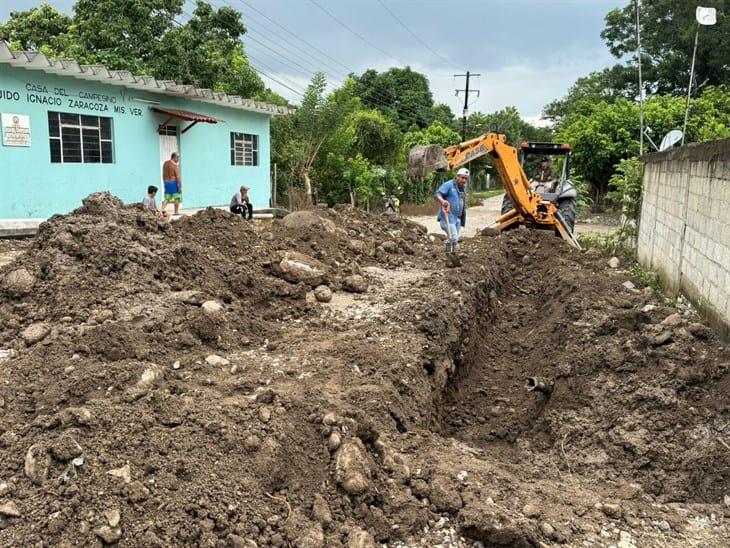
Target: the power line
(315, 48)
(360, 36)
(418, 39)
(261, 72)
(376, 98)
(382, 100)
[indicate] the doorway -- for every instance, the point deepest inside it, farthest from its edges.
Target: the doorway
(168, 143)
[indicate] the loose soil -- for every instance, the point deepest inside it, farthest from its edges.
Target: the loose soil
(181, 385)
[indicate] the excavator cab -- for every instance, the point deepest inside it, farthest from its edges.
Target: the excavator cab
(562, 192)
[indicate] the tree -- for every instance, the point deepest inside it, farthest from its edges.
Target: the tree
(605, 85)
(374, 136)
(207, 52)
(442, 113)
(509, 122)
(401, 93)
(121, 34)
(312, 125)
(668, 30)
(42, 28)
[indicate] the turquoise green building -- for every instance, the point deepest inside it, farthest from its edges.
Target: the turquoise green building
(70, 129)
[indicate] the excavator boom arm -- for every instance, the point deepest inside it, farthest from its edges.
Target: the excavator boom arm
(504, 157)
(529, 208)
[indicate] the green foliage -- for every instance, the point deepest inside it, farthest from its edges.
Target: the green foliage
(604, 86)
(207, 52)
(401, 93)
(122, 34)
(584, 199)
(601, 134)
(374, 136)
(668, 31)
(476, 198)
(435, 134)
(625, 187)
(42, 28)
(142, 36)
(509, 122)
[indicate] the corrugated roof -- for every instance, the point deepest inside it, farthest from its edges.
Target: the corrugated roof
(186, 115)
(34, 60)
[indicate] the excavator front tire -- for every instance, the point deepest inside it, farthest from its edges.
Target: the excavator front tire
(568, 209)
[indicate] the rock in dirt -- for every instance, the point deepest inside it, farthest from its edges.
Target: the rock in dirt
(65, 448)
(252, 443)
(334, 441)
(672, 320)
(611, 510)
(37, 464)
(613, 262)
(352, 469)
(297, 267)
(76, 415)
(211, 307)
(123, 472)
(137, 492)
(306, 219)
(321, 510)
(358, 538)
(628, 491)
(323, 293)
(547, 530)
(216, 360)
(19, 282)
(444, 495)
(629, 285)
(355, 284)
(112, 516)
(9, 509)
(662, 338)
(236, 541)
(110, 535)
(531, 510)
(35, 333)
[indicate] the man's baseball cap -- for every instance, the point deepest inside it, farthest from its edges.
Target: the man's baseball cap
(463, 171)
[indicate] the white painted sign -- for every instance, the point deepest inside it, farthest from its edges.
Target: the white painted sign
(16, 130)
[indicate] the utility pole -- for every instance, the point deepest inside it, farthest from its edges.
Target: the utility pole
(466, 92)
(641, 83)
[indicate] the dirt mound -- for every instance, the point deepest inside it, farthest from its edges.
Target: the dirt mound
(177, 385)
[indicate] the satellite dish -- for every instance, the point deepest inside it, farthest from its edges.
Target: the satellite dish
(670, 139)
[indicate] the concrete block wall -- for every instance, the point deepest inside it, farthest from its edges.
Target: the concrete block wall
(684, 228)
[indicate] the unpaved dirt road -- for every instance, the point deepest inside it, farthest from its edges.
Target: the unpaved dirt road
(481, 216)
(324, 381)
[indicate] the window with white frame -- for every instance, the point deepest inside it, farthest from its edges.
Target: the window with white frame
(80, 139)
(244, 149)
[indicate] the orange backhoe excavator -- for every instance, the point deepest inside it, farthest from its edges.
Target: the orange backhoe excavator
(541, 211)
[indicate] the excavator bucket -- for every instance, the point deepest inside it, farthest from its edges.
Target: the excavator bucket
(423, 159)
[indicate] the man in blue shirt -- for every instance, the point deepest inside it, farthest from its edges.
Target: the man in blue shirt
(451, 196)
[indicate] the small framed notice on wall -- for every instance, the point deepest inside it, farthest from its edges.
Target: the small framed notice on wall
(16, 130)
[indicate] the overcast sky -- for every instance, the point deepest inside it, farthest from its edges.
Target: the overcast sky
(528, 52)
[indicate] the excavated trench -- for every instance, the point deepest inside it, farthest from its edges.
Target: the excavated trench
(565, 375)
